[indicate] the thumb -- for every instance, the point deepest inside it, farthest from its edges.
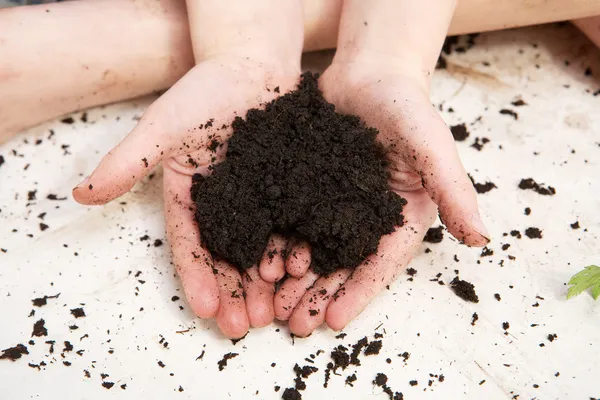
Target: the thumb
(448, 185)
(125, 164)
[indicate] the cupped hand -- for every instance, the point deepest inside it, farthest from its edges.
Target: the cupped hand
(187, 129)
(425, 169)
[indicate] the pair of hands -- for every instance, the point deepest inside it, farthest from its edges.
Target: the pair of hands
(424, 169)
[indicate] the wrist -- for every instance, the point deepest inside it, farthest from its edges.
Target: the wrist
(401, 35)
(359, 64)
(272, 29)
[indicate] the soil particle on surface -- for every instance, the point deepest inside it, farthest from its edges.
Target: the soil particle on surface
(350, 379)
(42, 301)
(459, 132)
(291, 394)
(226, 357)
(575, 225)
(14, 353)
(513, 114)
(530, 184)
(479, 143)
(533, 233)
(465, 290)
(39, 329)
(482, 188)
(300, 169)
(434, 235)
(78, 312)
(373, 348)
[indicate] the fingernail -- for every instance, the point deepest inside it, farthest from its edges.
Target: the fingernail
(479, 226)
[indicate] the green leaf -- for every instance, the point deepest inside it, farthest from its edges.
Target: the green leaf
(589, 277)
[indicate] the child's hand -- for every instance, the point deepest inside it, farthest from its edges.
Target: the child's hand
(425, 169)
(178, 129)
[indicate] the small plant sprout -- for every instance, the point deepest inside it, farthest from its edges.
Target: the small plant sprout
(588, 278)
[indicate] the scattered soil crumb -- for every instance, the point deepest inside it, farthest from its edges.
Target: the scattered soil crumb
(14, 353)
(506, 111)
(235, 341)
(465, 290)
(78, 312)
(459, 132)
(482, 188)
(533, 233)
(373, 348)
(530, 184)
(223, 362)
(42, 301)
(291, 394)
(39, 329)
(434, 235)
(575, 225)
(479, 143)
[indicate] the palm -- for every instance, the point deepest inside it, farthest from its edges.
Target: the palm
(180, 129)
(418, 144)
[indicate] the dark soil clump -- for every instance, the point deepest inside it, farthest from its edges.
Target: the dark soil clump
(226, 357)
(291, 394)
(300, 169)
(78, 312)
(533, 233)
(530, 184)
(465, 290)
(39, 328)
(459, 132)
(14, 353)
(434, 235)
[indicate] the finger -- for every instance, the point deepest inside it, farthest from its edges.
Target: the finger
(193, 263)
(290, 293)
(232, 317)
(272, 263)
(394, 253)
(298, 259)
(309, 314)
(259, 298)
(127, 163)
(449, 186)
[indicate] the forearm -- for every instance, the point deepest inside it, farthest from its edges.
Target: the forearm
(58, 58)
(407, 34)
(82, 54)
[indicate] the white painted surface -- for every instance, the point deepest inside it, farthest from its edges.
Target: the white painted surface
(421, 317)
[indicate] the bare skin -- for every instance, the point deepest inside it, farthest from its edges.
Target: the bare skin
(246, 62)
(135, 47)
